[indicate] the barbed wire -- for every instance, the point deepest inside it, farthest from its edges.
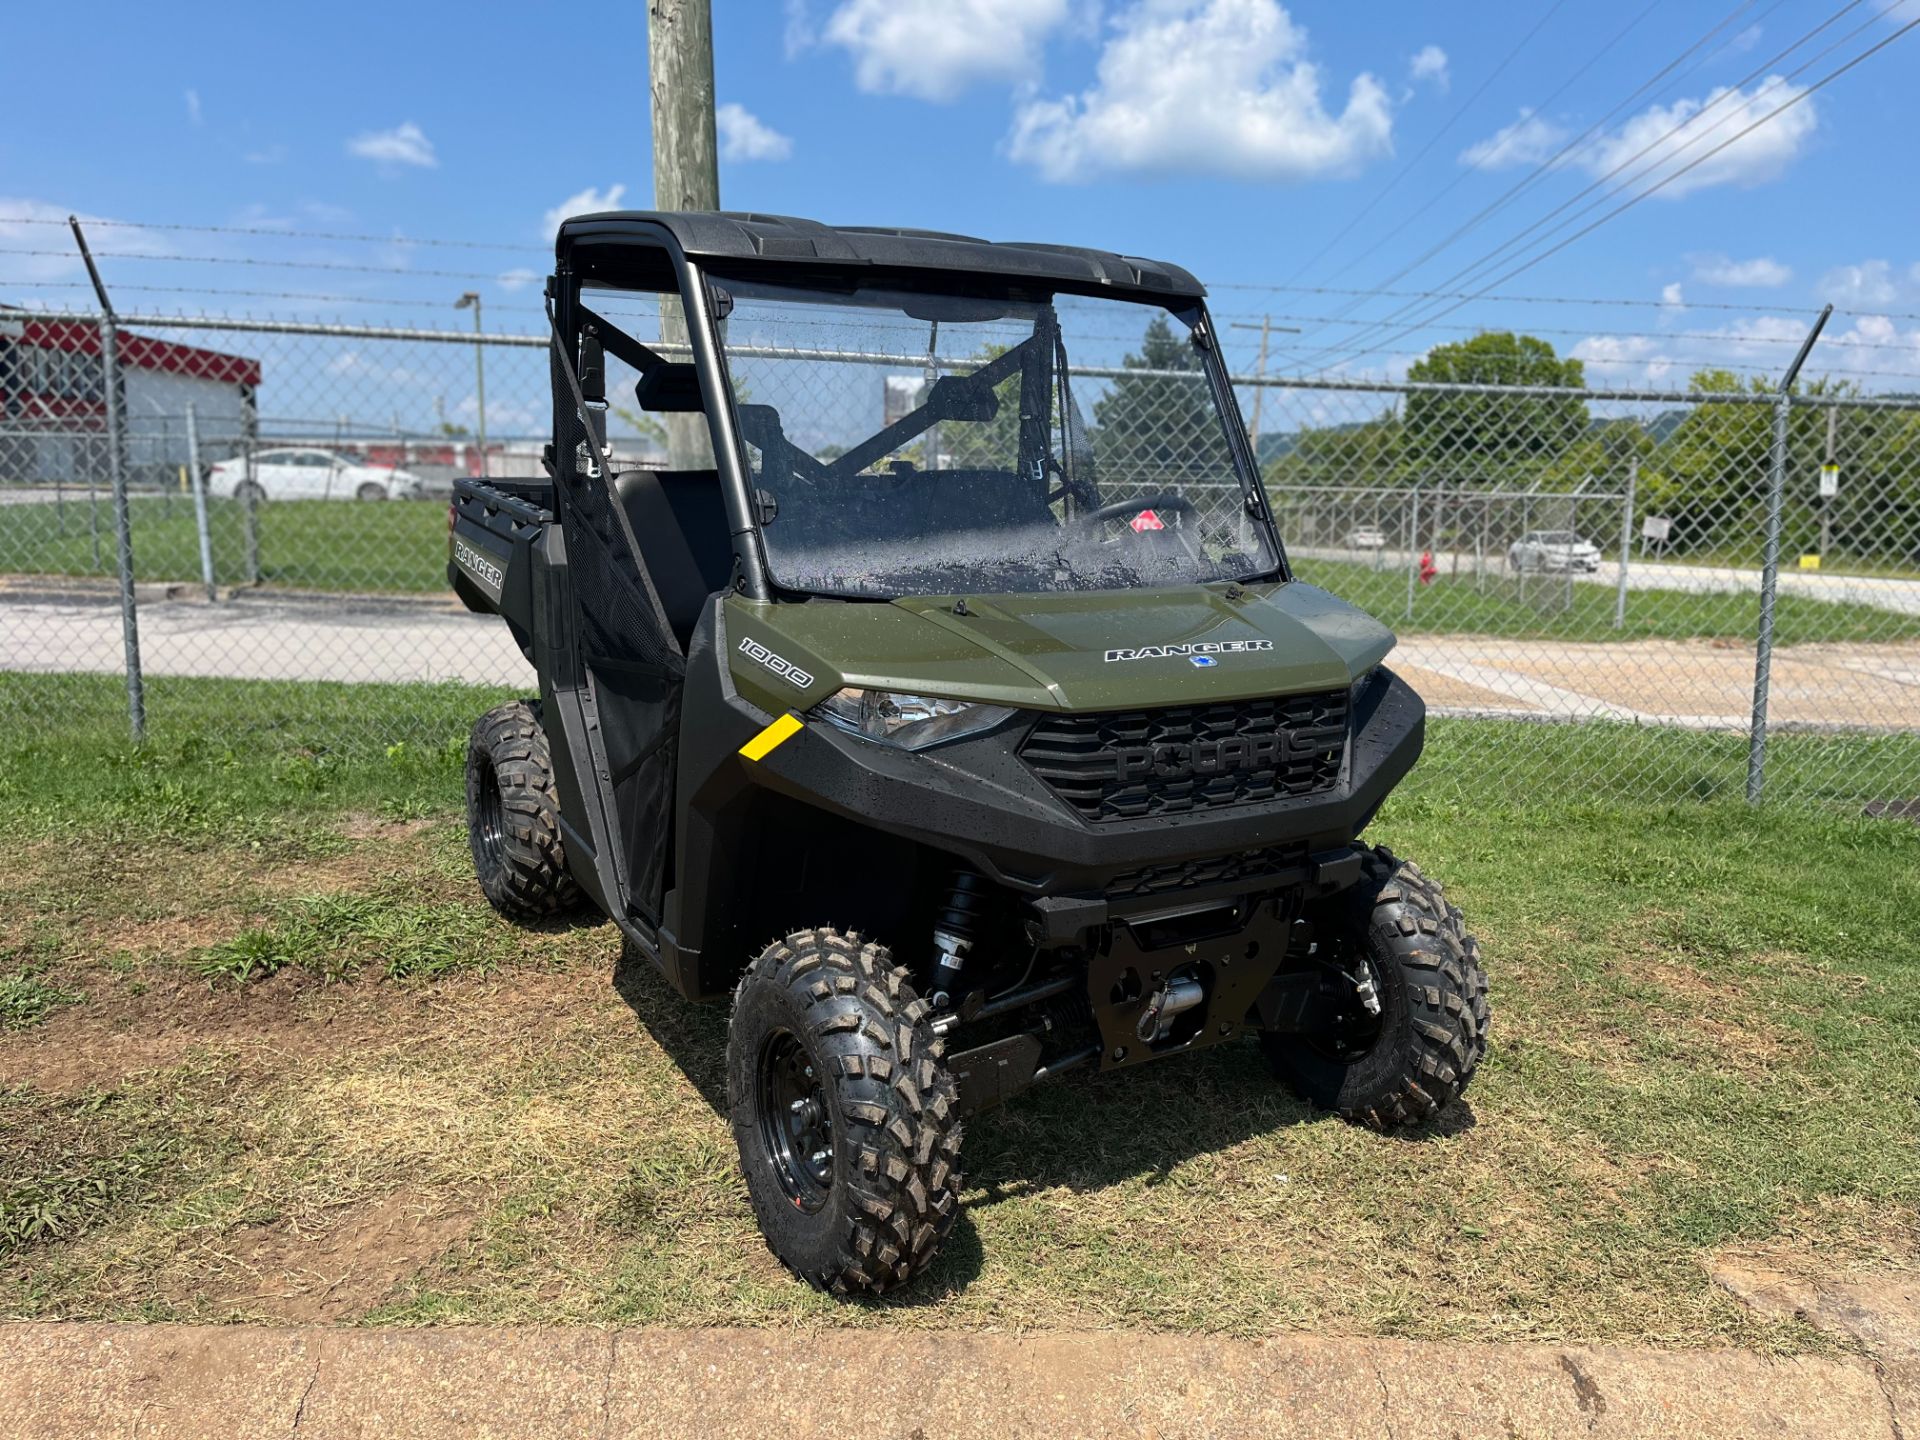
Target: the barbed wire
(277, 232)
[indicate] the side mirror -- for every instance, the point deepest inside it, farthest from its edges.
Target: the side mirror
(593, 367)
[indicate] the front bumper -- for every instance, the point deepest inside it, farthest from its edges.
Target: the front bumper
(978, 800)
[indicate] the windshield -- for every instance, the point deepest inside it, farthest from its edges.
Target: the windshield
(919, 444)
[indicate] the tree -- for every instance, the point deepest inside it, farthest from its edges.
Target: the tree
(1469, 435)
(1152, 430)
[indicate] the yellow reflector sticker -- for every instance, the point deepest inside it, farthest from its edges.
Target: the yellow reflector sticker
(781, 730)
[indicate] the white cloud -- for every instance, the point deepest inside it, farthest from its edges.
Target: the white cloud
(798, 35)
(937, 49)
(1527, 141)
(1871, 282)
(583, 202)
(266, 155)
(1684, 132)
(1761, 272)
(1430, 63)
(193, 107)
(1672, 297)
(744, 136)
(405, 144)
(517, 279)
(39, 225)
(1222, 86)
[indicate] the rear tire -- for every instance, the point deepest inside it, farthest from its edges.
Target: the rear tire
(846, 1118)
(248, 492)
(513, 815)
(1431, 1031)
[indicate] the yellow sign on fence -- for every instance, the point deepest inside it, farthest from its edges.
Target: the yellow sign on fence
(1809, 562)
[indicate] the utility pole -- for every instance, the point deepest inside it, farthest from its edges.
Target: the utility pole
(686, 173)
(686, 167)
(1266, 327)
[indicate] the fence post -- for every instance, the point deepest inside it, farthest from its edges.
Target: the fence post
(1626, 543)
(123, 527)
(117, 475)
(197, 479)
(1770, 567)
(1413, 550)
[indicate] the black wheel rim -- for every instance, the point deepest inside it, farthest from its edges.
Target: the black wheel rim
(489, 821)
(795, 1127)
(1353, 1030)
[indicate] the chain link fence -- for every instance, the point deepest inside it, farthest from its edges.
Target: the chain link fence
(1580, 578)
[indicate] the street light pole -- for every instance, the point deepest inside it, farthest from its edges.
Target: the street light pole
(472, 298)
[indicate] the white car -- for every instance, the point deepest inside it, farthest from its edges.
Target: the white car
(300, 474)
(1553, 552)
(1366, 537)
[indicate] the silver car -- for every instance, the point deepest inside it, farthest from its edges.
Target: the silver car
(1557, 552)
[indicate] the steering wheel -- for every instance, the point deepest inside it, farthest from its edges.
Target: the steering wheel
(1120, 509)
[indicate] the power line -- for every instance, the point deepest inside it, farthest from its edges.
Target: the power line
(1434, 138)
(1460, 176)
(1520, 187)
(1544, 168)
(1467, 272)
(1654, 189)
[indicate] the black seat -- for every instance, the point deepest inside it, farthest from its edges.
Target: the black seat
(678, 523)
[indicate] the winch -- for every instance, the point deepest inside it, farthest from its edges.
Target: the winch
(1179, 994)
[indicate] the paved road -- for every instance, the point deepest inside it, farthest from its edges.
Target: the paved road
(1901, 597)
(261, 637)
(64, 1382)
(1697, 684)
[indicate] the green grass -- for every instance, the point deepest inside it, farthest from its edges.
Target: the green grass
(289, 1016)
(1561, 609)
(303, 544)
(230, 758)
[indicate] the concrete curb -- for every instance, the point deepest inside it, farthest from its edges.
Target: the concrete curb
(209, 1382)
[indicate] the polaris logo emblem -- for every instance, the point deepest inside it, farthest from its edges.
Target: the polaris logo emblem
(785, 669)
(1198, 653)
(490, 575)
(1182, 760)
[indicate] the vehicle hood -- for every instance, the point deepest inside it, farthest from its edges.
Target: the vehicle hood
(1100, 650)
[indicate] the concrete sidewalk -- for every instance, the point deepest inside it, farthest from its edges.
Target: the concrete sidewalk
(68, 1380)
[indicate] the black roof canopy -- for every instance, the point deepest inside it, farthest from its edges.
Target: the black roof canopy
(778, 239)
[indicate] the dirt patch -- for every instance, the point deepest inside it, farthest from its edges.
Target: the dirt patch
(262, 1027)
(334, 1269)
(360, 825)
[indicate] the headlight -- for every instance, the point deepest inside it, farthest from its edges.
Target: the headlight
(912, 722)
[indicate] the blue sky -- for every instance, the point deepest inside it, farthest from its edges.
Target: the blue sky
(1257, 143)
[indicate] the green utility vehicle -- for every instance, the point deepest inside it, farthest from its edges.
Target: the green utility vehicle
(946, 704)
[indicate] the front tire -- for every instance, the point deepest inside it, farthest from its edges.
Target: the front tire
(1407, 1063)
(846, 1119)
(371, 490)
(513, 815)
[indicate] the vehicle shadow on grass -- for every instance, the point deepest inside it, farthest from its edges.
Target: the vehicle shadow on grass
(1084, 1132)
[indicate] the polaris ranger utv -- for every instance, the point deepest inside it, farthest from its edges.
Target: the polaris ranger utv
(968, 664)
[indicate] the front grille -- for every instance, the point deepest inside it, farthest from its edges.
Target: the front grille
(1133, 764)
(1219, 870)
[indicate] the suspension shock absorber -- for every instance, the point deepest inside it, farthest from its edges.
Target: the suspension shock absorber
(956, 924)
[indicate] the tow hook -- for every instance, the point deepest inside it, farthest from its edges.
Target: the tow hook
(1181, 991)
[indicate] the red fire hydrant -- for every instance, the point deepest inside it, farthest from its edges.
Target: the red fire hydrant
(1427, 571)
